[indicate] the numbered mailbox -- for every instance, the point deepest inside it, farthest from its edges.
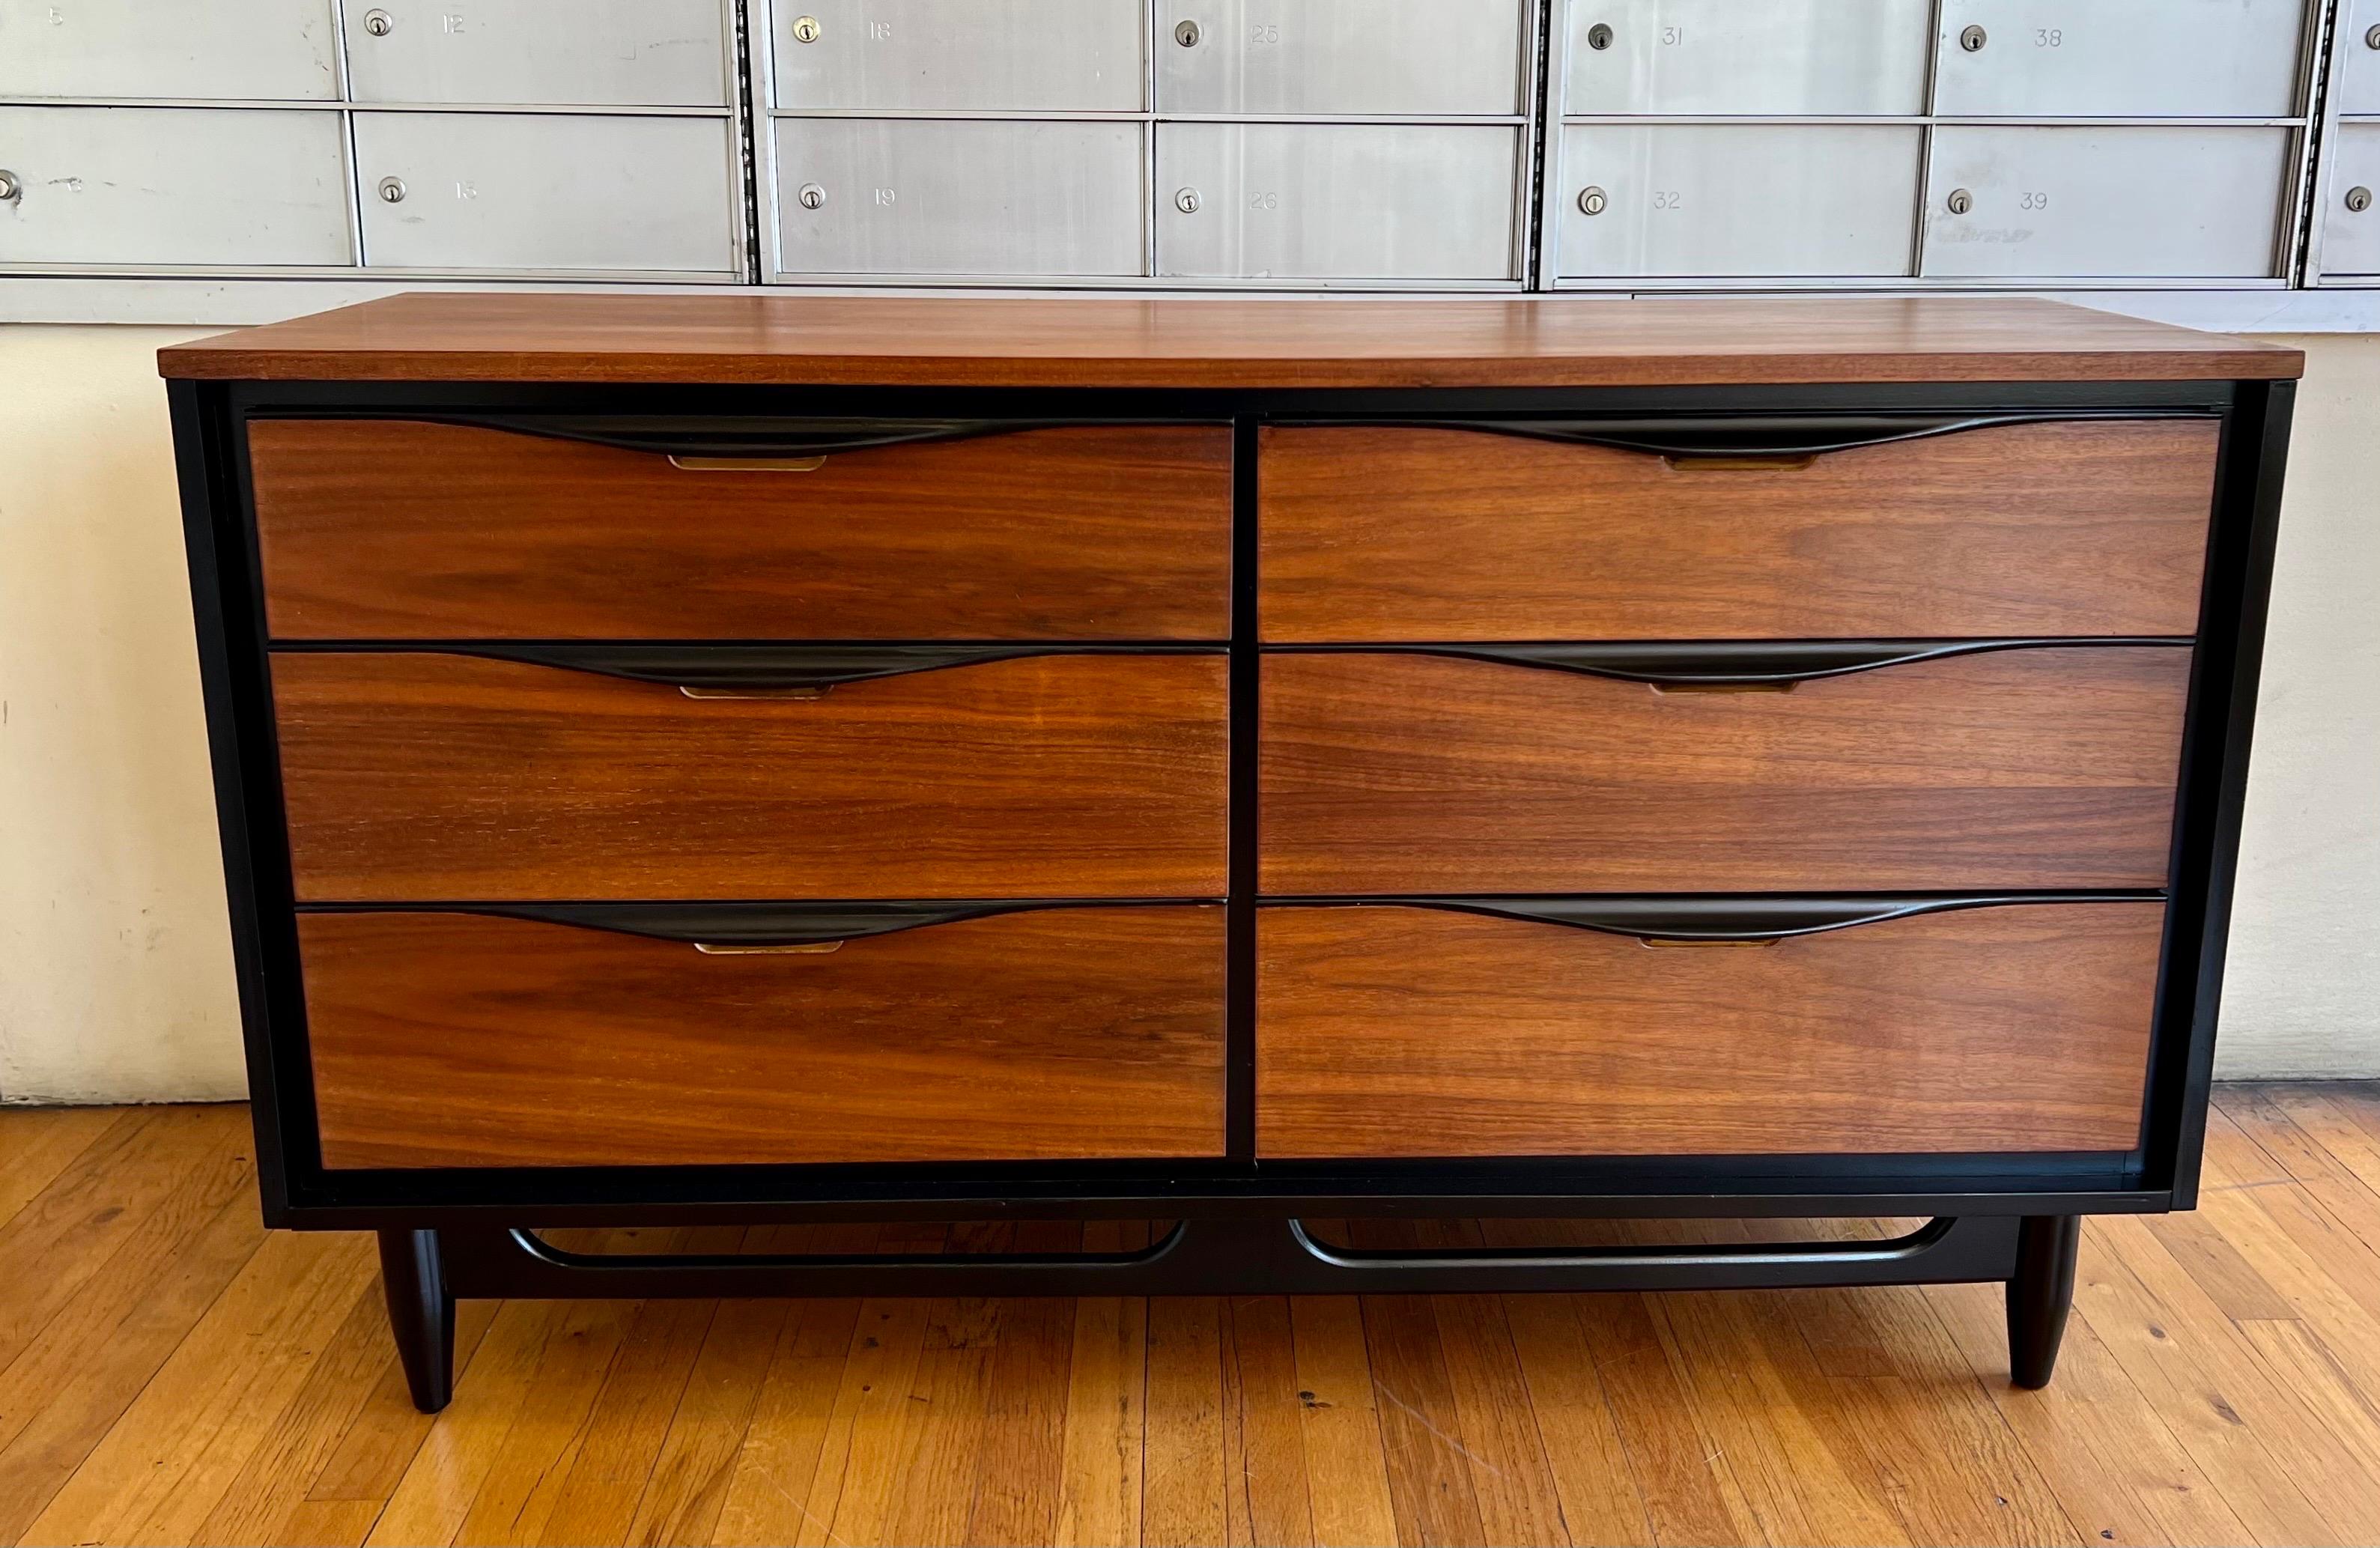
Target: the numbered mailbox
(2355, 58)
(990, 199)
(2118, 59)
(546, 192)
(959, 56)
(577, 53)
(1679, 200)
(1327, 58)
(172, 187)
(2351, 217)
(1336, 202)
(1829, 57)
(273, 50)
(2049, 203)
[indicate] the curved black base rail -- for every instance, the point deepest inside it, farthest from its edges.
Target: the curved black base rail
(426, 1271)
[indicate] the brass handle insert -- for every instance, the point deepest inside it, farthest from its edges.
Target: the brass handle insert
(748, 464)
(793, 693)
(804, 948)
(1724, 687)
(1651, 940)
(1722, 463)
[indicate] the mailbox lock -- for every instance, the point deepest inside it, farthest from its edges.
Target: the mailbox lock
(2371, 38)
(1591, 202)
(1971, 39)
(1960, 202)
(806, 30)
(1186, 200)
(1598, 37)
(380, 24)
(392, 190)
(2359, 199)
(1187, 34)
(10, 189)
(811, 196)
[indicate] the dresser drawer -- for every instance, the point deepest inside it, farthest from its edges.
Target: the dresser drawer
(1402, 533)
(1423, 1032)
(454, 1039)
(421, 775)
(2038, 767)
(388, 529)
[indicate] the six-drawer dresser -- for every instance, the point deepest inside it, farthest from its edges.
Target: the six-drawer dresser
(691, 760)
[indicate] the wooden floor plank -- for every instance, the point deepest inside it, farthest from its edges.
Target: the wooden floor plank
(1592, 1479)
(37, 1143)
(2215, 1403)
(2119, 1471)
(169, 1372)
(87, 1363)
(1686, 1479)
(1182, 1492)
(168, 1462)
(1271, 1495)
(687, 1488)
(52, 1248)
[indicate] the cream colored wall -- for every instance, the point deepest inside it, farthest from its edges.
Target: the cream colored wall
(114, 969)
(115, 959)
(2301, 994)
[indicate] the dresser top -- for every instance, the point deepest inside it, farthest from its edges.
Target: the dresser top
(1235, 342)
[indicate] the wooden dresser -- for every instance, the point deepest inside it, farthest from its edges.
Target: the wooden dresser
(726, 759)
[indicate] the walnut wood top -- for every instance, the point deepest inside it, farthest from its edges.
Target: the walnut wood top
(1240, 342)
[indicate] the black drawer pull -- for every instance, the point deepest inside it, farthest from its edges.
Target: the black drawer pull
(1711, 920)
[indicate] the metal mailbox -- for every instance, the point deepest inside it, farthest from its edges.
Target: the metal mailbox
(1340, 58)
(1685, 199)
(172, 187)
(1336, 202)
(2118, 59)
(2355, 58)
(577, 53)
(959, 56)
(1819, 57)
(273, 50)
(2350, 213)
(2141, 201)
(988, 198)
(547, 193)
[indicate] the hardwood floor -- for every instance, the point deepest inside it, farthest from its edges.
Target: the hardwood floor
(172, 1373)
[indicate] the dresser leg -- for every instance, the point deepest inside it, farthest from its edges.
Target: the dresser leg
(2040, 1295)
(422, 1314)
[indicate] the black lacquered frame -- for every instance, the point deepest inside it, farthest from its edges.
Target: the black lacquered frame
(480, 1212)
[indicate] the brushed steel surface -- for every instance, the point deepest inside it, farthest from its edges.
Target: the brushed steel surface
(246, 188)
(1733, 200)
(919, 196)
(2068, 202)
(961, 55)
(580, 53)
(280, 50)
(548, 192)
(1845, 57)
(1328, 201)
(2122, 58)
(1355, 57)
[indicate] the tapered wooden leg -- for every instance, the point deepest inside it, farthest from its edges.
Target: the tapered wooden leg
(422, 1314)
(2040, 1295)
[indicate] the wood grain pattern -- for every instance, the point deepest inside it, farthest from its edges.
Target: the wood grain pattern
(1399, 1032)
(452, 1040)
(2182, 1412)
(414, 776)
(2024, 768)
(1083, 341)
(397, 529)
(2073, 529)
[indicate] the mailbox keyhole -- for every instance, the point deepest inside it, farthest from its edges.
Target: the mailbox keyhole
(1599, 36)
